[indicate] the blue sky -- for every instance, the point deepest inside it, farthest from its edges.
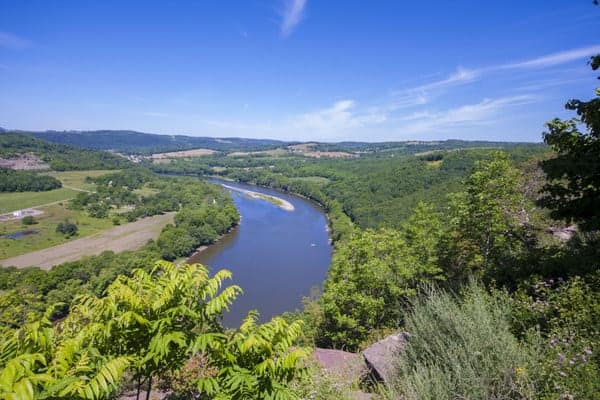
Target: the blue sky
(297, 69)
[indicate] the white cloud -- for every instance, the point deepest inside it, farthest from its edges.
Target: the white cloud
(553, 59)
(468, 114)
(292, 15)
(340, 117)
(156, 114)
(10, 41)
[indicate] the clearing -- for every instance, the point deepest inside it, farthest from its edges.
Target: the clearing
(130, 236)
(159, 157)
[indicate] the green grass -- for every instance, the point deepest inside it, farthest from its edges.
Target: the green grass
(77, 178)
(17, 201)
(46, 225)
(146, 191)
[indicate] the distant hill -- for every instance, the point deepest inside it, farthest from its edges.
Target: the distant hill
(132, 142)
(60, 157)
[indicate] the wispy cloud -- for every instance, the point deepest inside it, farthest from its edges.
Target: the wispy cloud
(553, 59)
(421, 94)
(156, 114)
(468, 114)
(341, 116)
(292, 14)
(11, 41)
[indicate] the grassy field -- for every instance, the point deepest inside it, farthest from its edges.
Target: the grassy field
(77, 178)
(17, 201)
(118, 238)
(72, 179)
(46, 226)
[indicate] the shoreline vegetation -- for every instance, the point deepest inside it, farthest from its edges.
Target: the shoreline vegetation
(279, 202)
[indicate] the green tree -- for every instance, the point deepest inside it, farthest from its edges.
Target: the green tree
(371, 278)
(67, 228)
(485, 220)
(256, 362)
(157, 319)
(573, 189)
(37, 362)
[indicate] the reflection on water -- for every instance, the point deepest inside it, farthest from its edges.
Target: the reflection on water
(276, 256)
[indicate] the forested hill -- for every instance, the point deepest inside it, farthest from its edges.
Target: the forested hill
(58, 156)
(133, 142)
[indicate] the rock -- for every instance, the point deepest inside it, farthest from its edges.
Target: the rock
(382, 356)
(563, 233)
(348, 367)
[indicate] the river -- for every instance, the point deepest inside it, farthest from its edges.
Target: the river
(276, 255)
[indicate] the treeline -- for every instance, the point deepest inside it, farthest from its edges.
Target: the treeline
(373, 192)
(24, 181)
(59, 157)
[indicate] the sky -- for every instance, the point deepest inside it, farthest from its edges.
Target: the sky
(297, 69)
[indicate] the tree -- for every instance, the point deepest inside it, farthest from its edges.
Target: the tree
(28, 220)
(256, 362)
(36, 362)
(573, 189)
(485, 219)
(371, 278)
(67, 228)
(158, 320)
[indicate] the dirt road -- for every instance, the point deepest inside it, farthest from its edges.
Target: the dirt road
(120, 238)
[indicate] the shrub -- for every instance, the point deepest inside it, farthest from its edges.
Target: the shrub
(67, 228)
(463, 349)
(28, 220)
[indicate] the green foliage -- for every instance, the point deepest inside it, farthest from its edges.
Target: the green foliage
(565, 314)
(486, 229)
(38, 362)
(25, 181)
(28, 220)
(256, 362)
(373, 275)
(157, 319)
(60, 157)
(463, 349)
(67, 228)
(573, 188)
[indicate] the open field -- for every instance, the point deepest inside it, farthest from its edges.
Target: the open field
(76, 179)
(272, 153)
(182, 154)
(124, 237)
(46, 225)
(17, 201)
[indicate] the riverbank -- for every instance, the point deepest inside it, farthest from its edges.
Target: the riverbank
(281, 203)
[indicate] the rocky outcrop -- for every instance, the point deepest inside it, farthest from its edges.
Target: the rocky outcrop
(381, 357)
(345, 366)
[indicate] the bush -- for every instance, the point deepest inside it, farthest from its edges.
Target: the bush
(28, 220)
(67, 228)
(463, 349)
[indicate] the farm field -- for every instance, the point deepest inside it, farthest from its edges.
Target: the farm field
(46, 227)
(17, 201)
(76, 179)
(130, 236)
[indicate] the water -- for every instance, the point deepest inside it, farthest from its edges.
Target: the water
(21, 234)
(276, 256)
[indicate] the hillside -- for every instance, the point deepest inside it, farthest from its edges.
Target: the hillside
(132, 142)
(58, 157)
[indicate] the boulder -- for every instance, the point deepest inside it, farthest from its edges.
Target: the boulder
(345, 366)
(381, 357)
